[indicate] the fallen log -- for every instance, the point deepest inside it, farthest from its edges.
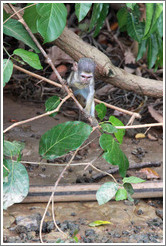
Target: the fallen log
(87, 192)
(74, 46)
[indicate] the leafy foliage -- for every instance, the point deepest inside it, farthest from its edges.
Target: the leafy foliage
(120, 132)
(108, 128)
(29, 57)
(81, 10)
(148, 33)
(7, 70)
(113, 154)
(101, 110)
(106, 192)
(51, 104)
(63, 138)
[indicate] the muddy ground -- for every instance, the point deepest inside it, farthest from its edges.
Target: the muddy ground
(137, 222)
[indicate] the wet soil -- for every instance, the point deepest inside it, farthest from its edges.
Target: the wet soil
(138, 222)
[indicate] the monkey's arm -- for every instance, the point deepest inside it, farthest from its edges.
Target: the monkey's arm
(90, 107)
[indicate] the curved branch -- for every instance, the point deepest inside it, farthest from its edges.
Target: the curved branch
(73, 45)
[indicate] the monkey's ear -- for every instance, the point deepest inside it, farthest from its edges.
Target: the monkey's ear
(75, 66)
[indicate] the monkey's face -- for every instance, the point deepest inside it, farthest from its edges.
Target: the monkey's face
(85, 78)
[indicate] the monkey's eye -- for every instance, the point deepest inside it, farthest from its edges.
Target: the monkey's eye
(86, 77)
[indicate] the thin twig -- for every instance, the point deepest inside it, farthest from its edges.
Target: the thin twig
(139, 126)
(37, 117)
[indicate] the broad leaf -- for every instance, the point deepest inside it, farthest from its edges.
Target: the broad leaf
(15, 29)
(132, 179)
(97, 7)
(120, 132)
(63, 138)
(29, 57)
(122, 18)
(128, 187)
(81, 10)
(152, 50)
(99, 223)
(12, 148)
(160, 25)
(141, 49)
(5, 15)
(108, 128)
(106, 192)
(30, 16)
(113, 154)
(7, 70)
(16, 189)
(135, 29)
(149, 17)
(101, 110)
(52, 20)
(101, 19)
(5, 171)
(51, 104)
(121, 194)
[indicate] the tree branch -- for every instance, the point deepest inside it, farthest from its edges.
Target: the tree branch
(74, 46)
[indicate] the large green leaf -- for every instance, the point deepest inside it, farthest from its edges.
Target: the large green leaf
(16, 189)
(153, 11)
(30, 16)
(113, 154)
(97, 7)
(101, 19)
(101, 110)
(106, 192)
(15, 29)
(52, 20)
(29, 57)
(122, 18)
(51, 104)
(81, 10)
(120, 132)
(152, 50)
(12, 148)
(131, 5)
(135, 29)
(7, 70)
(63, 138)
(108, 128)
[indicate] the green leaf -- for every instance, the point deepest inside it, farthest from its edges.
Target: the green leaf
(51, 104)
(108, 128)
(81, 10)
(132, 179)
(101, 110)
(29, 57)
(135, 29)
(7, 70)
(97, 7)
(152, 50)
(5, 15)
(52, 20)
(113, 154)
(128, 187)
(153, 11)
(120, 132)
(16, 189)
(121, 194)
(141, 49)
(12, 148)
(131, 5)
(122, 17)
(63, 138)
(99, 223)
(160, 25)
(15, 29)
(106, 192)
(101, 19)
(5, 171)
(30, 16)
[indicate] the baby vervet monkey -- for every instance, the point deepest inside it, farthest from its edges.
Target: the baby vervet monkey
(81, 80)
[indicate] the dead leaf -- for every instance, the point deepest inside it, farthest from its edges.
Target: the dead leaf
(105, 90)
(58, 56)
(151, 137)
(62, 69)
(129, 57)
(150, 173)
(129, 69)
(140, 135)
(158, 117)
